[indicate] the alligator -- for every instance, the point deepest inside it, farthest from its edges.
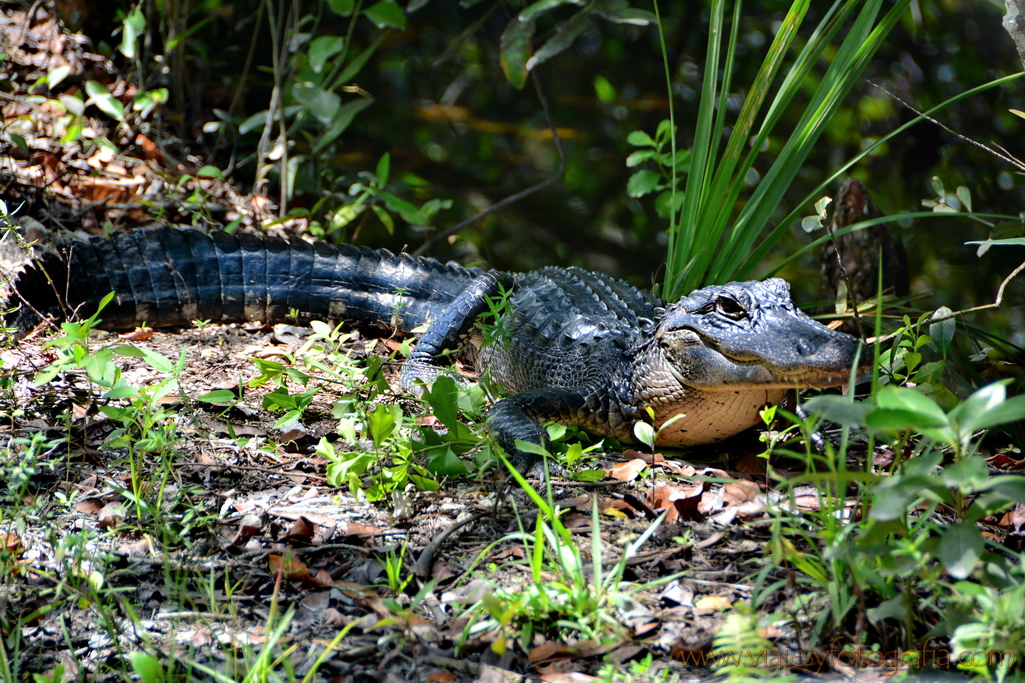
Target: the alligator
(572, 346)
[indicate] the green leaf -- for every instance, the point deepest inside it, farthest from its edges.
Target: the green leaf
(73, 132)
(384, 421)
(386, 220)
(811, 223)
(565, 33)
(620, 12)
(1011, 487)
(961, 548)
(642, 182)
(971, 411)
(892, 502)
(322, 49)
(942, 333)
(645, 433)
(1011, 410)
(892, 608)
(156, 360)
(639, 138)
(133, 26)
(966, 475)
(668, 203)
(386, 14)
(218, 396)
(904, 399)
(515, 51)
(896, 420)
(604, 90)
(342, 7)
(210, 172)
(122, 392)
(104, 101)
(255, 121)
(1010, 242)
(354, 67)
(542, 6)
(840, 409)
(447, 464)
(443, 397)
(343, 117)
(146, 667)
(57, 75)
(323, 104)
(398, 204)
(639, 157)
(383, 165)
(964, 195)
(531, 447)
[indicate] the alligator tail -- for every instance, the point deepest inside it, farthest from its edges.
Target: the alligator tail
(168, 277)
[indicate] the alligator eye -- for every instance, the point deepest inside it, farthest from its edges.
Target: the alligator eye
(730, 307)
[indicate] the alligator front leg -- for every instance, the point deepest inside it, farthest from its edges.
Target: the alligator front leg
(522, 415)
(448, 332)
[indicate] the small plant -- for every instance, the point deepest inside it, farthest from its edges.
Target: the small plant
(496, 331)
(986, 625)
(577, 604)
(868, 569)
(739, 648)
(147, 426)
(394, 563)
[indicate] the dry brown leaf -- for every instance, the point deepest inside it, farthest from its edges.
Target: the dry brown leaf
(735, 494)
(442, 677)
(580, 503)
(302, 531)
(110, 515)
(333, 618)
(1002, 462)
(549, 651)
(12, 543)
(627, 471)
(202, 637)
(292, 569)
(248, 527)
(713, 603)
(150, 152)
(357, 529)
(322, 579)
(139, 334)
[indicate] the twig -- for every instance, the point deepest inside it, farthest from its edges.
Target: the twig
(1017, 163)
(515, 197)
(974, 309)
(424, 564)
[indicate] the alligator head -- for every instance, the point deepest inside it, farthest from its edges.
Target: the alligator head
(722, 353)
(751, 335)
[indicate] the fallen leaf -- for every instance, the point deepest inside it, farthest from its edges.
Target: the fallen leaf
(627, 471)
(110, 515)
(291, 568)
(139, 334)
(713, 603)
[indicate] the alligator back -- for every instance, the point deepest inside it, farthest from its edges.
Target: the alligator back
(168, 277)
(569, 327)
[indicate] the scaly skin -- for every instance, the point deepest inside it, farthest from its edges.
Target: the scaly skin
(573, 347)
